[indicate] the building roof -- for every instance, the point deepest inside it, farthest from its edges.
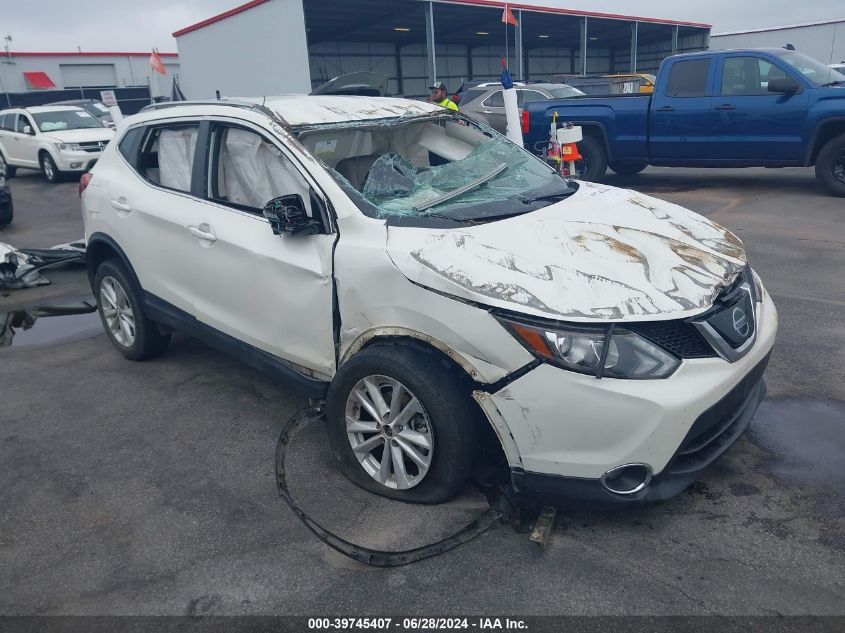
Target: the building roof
(478, 3)
(85, 54)
(780, 28)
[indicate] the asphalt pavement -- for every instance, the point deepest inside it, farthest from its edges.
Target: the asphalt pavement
(148, 488)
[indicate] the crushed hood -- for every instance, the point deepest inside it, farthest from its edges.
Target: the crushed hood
(603, 253)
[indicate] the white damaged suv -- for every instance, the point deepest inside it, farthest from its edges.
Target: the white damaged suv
(434, 284)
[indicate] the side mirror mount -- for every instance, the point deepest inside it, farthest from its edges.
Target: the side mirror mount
(785, 85)
(28, 130)
(287, 214)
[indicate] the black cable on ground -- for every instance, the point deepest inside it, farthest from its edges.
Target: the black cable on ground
(360, 553)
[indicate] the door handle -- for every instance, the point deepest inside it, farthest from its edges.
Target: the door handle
(725, 106)
(666, 109)
(120, 205)
(202, 232)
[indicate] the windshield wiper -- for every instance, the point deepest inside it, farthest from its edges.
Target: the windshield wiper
(467, 187)
(560, 195)
(832, 83)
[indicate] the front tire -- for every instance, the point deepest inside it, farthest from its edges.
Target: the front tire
(400, 425)
(49, 169)
(594, 164)
(830, 166)
(122, 314)
(6, 167)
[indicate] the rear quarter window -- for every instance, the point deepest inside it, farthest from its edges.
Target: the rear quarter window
(128, 145)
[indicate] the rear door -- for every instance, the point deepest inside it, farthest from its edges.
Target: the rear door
(27, 141)
(493, 111)
(272, 292)
(753, 124)
(682, 122)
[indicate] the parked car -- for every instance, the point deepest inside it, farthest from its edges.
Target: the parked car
(612, 342)
(736, 108)
(643, 82)
(486, 102)
(91, 106)
(7, 208)
(54, 139)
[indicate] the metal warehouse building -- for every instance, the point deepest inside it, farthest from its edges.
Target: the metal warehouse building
(825, 41)
(23, 72)
(284, 46)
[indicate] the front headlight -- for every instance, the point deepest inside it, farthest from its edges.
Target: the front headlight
(607, 351)
(69, 147)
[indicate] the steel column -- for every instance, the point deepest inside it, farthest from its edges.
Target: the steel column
(634, 34)
(520, 63)
(429, 43)
(675, 40)
(584, 46)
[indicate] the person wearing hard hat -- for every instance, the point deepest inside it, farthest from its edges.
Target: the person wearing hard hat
(439, 96)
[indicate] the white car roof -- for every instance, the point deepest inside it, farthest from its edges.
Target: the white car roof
(60, 108)
(309, 110)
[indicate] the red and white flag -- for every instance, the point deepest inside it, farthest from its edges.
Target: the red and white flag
(508, 17)
(156, 64)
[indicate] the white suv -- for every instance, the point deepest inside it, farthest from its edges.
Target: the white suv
(54, 139)
(435, 284)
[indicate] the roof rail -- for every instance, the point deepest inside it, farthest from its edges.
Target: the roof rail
(259, 107)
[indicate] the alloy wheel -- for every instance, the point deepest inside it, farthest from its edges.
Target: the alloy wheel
(2, 165)
(839, 166)
(389, 432)
(117, 312)
(47, 164)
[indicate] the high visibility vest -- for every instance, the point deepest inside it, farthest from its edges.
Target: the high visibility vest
(447, 103)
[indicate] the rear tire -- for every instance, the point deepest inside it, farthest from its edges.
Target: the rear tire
(49, 169)
(830, 166)
(628, 169)
(121, 311)
(594, 165)
(443, 432)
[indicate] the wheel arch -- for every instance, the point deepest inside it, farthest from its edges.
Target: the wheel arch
(100, 248)
(825, 130)
(495, 426)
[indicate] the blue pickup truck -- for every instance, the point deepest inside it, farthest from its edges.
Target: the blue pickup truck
(737, 108)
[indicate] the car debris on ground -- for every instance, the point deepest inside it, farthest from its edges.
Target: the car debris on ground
(21, 268)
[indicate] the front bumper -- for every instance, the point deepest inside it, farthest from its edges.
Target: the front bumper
(76, 161)
(565, 430)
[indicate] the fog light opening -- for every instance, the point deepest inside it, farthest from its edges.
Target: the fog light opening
(627, 479)
(75, 165)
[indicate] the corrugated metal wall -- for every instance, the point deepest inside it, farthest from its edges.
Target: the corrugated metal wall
(824, 42)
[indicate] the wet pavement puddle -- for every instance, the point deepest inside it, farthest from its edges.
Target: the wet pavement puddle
(806, 437)
(41, 326)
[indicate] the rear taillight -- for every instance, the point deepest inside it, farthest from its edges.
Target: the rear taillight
(83, 182)
(526, 121)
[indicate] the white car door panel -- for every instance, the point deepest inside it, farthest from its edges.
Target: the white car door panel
(272, 292)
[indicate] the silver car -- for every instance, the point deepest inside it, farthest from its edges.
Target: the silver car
(485, 103)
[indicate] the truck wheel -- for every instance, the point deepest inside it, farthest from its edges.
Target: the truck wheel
(628, 169)
(48, 167)
(400, 425)
(121, 311)
(7, 168)
(594, 163)
(830, 166)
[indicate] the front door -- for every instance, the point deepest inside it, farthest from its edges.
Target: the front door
(752, 123)
(272, 292)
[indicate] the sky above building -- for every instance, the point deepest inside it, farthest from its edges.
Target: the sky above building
(122, 25)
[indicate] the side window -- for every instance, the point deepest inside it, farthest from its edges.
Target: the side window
(688, 78)
(23, 121)
(167, 155)
(527, 96)
(7, 122)
(128, 145)
(247, 170)
(495, 100)
(748, 76)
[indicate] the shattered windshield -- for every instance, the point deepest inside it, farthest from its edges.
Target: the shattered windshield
(445, 168)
